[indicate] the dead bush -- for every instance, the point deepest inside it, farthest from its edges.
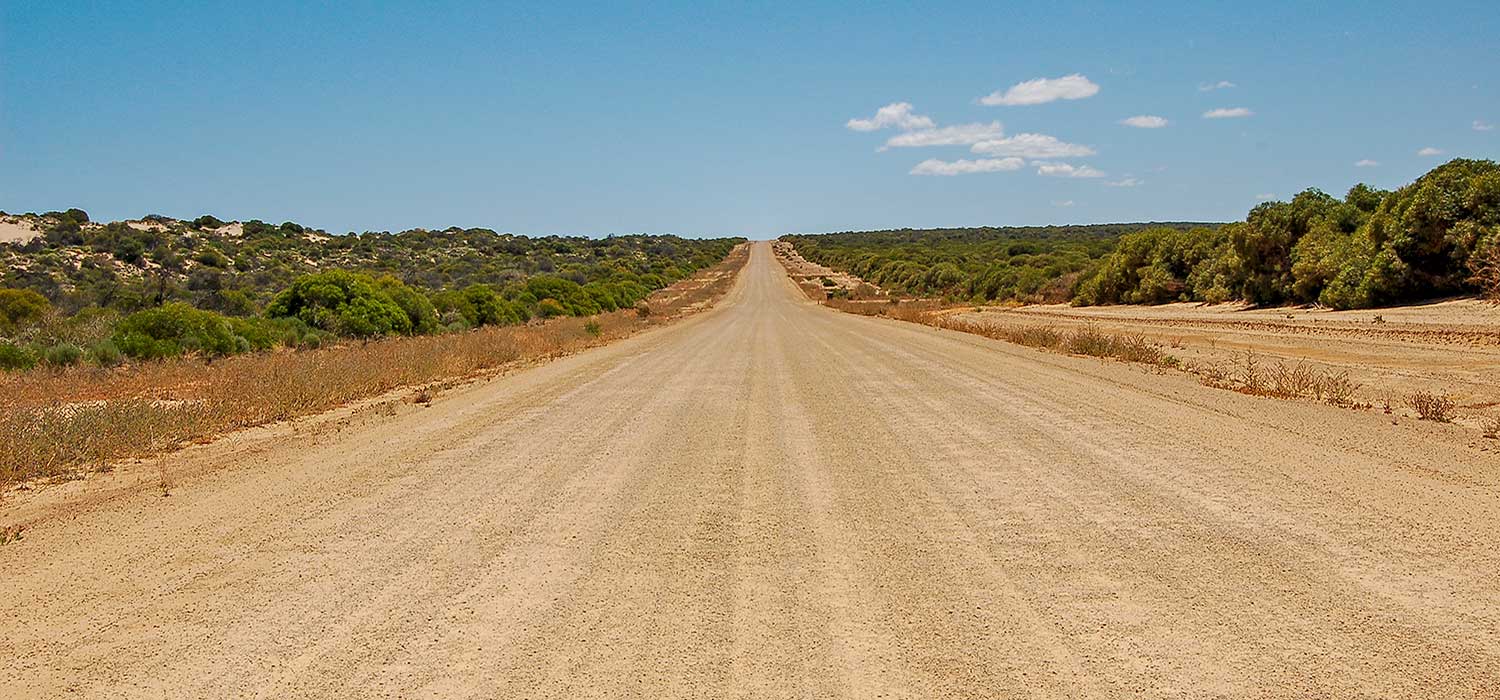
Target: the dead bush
(1086, 341)
(1433, 407)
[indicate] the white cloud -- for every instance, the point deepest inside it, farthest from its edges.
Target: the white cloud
(1430, 151)
(1483, 126)
(1066, 170)
(1227, 113)
(1063, 202)
(1265, 196)
(1031, 146)
(1042, 91)
(1127, 182)
(1222, 84)
(1366, 163)
(895, 114)
(933, 166)
(960, 135)
(1145, 121)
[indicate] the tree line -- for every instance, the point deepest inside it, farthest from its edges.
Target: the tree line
(1437, 236)
(99, 293)
(1037, 263)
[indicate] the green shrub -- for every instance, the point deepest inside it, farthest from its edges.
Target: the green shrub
(211, 258)
(341, 302)
(480, 305)
(63, 355)
(16, 357)
(19, 308)
(130, 250)
(266, 333)
(105, 354)
(417, 307)
(172, 330)
(548, 308)
(565, 294)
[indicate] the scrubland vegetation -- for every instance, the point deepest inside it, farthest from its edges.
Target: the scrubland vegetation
(1438, 236)
(63, 421)
(1038, 263)
(87, 293)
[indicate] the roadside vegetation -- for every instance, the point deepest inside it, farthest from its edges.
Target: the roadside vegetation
(1439, 236)
(1030, 263)
(62, 422)
(80, 292)
(1252, 375)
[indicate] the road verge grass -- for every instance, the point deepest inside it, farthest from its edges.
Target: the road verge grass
(60, 424)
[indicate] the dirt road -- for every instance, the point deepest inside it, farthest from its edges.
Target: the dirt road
(776, 500)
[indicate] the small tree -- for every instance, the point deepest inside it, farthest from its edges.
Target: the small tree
(417, 307)
(1485, 264)
(342, 302)
(19, 308)
(172, 330)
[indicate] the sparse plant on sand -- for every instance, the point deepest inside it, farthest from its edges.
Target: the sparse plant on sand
(1434, 407)
(1250, 377)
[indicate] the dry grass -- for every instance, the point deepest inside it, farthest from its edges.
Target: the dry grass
(1433, 407)
(58, 423)
(914, 311)
(1284, 381)
(1089, 341)
(1086, 341)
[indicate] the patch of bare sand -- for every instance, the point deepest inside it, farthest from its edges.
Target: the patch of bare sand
(801, 269)
(1448, 347)
(16, 230)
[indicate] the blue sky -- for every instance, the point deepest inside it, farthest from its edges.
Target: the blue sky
(705, 118)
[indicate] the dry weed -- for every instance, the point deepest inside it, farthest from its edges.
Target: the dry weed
(1283, 381)
(1433, 407)
(1085, 341)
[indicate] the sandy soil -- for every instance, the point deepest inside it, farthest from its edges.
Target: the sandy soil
(144, 225)
(15, 230)
(801, 269)
(1450, 347)
(774, 499)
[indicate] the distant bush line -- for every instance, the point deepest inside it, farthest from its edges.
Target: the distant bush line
(1438, 236)
(92, 293)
